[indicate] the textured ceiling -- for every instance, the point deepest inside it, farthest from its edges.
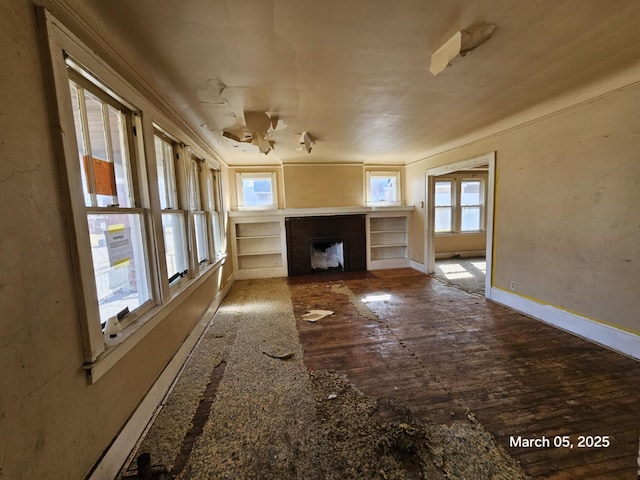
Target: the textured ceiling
(354, 74)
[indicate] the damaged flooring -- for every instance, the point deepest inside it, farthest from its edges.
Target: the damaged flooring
(409, 378)
(440, 352)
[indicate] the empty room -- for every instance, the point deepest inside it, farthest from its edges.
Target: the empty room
(278, 239)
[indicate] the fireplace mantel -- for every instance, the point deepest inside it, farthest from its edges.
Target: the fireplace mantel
(260, 246)
(321, 211)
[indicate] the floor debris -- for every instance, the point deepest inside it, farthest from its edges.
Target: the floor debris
(315, 315)
(280, 356)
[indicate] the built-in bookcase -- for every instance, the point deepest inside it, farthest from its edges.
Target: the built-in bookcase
(259, 247)
(387, 240)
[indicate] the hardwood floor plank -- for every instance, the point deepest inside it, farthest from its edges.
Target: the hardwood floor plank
(440, 351)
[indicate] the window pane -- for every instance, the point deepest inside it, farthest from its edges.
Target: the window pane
(257, 192)
(175, 244)
(470, 219)
(117, 125)
(443, 219)
(470, 193)
(77, 120)
(166, 174)
(201, 236)
(217, 233)
(102, 148)
(443, 194)
(196, 199)
(211, 204)
(118, 262)
(97, 140)
(383, 189)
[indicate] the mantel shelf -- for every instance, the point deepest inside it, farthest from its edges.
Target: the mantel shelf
(389, 231)
(249, 237)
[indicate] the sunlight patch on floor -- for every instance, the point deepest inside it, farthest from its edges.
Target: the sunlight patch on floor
(482, 266)
(377, 298)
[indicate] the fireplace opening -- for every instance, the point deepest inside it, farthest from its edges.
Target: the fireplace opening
(327, 256)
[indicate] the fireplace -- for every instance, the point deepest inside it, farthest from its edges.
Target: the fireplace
(319, 244)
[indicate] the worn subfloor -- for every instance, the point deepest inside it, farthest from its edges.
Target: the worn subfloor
(409, 378)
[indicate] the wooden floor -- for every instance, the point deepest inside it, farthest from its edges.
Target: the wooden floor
(440, 351)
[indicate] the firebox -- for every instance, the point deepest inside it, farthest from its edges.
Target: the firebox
(327, 256)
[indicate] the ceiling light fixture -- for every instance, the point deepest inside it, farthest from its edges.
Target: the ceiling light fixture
(306, 141)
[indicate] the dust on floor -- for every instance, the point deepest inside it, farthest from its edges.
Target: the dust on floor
(270, 418)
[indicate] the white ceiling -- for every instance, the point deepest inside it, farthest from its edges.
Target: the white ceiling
(354, 74)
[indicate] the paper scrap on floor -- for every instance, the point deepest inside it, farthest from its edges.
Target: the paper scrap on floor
(315, 315)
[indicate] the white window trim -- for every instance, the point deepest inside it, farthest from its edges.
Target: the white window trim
(99, 357)
(197, 206)
(215, 205)
(239, 192)
(383, 174)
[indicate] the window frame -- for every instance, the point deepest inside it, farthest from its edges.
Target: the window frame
(197, 202)
(215, 208)
(240, 176)
(456, 203)
(397, 178)
(68, 54)
(481, 206)
(176, 206)
(451, 207)
(65, 50)
(141, 258)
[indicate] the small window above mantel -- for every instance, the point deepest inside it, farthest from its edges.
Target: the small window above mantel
(256, 191)
(383, 188)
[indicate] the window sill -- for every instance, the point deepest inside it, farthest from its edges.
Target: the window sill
(136, 332)
(384, 204)
(258, 208)
(450, 234)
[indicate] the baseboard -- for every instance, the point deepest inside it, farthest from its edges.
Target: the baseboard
(418, 266)
(465, 254)
(605, 335)
(111, 462)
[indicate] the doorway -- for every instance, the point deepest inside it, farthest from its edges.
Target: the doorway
(461, 226)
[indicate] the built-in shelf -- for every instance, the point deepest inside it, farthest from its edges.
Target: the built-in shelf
(259, 246)
(259, 240)
(387, 239)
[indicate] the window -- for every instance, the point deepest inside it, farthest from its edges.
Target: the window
(115, 221)
(119, 217)
(459, 204)
(383, 188)
(470, 205)
(444, 206)
(173, 219)
(256, 190)
(197, 207)
(214, 207)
